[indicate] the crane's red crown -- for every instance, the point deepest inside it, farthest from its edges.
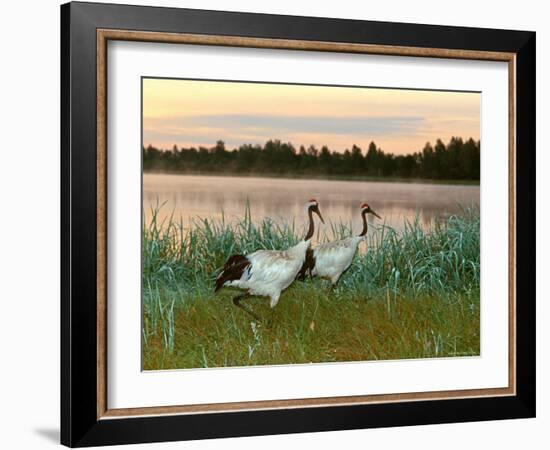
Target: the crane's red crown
(365, 205)
(312, 200)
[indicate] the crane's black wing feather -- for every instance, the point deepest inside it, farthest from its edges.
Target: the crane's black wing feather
(307, 267)
(233, 270)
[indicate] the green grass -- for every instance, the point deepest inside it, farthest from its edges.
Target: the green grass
(411, 294)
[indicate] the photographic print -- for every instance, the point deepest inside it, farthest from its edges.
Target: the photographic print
(297, 224)
(297, 217)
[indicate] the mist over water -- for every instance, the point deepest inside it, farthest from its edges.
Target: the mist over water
(283, 200)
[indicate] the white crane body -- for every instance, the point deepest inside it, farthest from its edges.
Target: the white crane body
(332, 259)
(271, 271)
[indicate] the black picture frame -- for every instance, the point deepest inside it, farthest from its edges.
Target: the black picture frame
(80, 425)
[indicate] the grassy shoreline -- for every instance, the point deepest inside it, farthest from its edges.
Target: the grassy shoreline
(317, 329)
(412, 294)
(319, 177)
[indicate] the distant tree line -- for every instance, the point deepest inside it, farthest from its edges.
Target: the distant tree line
(457, 160)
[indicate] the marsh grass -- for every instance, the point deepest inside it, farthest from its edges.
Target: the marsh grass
(411, 294)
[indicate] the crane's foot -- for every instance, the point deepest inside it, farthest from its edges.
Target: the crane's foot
(237, 302)
(335, 284)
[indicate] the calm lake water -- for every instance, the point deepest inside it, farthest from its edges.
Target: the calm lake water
(281, 199)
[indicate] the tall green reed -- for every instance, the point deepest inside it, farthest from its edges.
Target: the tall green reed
(441, 259)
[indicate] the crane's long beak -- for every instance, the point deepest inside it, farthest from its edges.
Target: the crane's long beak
(375, 214)
(319, 214)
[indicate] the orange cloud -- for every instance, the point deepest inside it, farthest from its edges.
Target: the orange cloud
(195, 113)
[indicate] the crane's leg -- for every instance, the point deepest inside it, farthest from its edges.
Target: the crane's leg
(237, 302)
(334, 283)
(273, 302)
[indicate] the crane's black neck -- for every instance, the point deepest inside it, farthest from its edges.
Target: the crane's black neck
(365, 224)
(311, 228)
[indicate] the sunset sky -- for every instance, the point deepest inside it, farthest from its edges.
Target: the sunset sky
(198, 113)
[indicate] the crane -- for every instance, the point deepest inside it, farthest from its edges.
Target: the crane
(332, 259)
(267, 272)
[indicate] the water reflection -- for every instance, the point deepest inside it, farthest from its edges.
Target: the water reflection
(283, 199)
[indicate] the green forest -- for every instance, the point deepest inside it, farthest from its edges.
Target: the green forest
(457, 160)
